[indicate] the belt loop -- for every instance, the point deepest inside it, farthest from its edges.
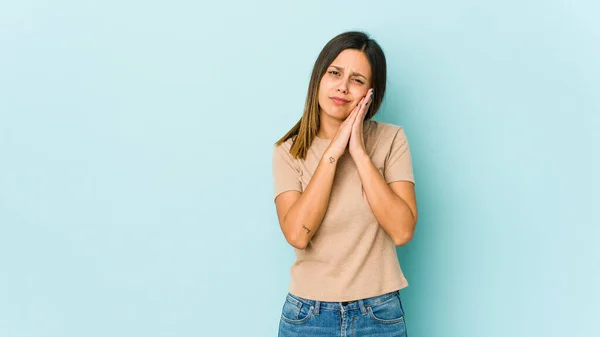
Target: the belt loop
(361, 304)
(317, 306)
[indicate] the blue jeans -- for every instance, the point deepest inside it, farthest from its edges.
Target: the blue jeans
(381, 315)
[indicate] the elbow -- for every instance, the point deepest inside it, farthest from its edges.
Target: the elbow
(297, 243)
(293, 239)
(404, 238)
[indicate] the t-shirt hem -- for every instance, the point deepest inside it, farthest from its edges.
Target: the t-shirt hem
(286, 190)
(394, 179)
(300, 294)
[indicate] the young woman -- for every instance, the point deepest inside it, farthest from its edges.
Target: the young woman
(345, 198)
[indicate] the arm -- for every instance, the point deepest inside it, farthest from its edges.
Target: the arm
(300, 214)
(393, 205)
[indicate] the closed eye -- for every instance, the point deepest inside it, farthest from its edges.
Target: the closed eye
(337, 73)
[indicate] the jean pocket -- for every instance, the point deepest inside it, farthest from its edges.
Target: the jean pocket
(295, 312)
(388, 312)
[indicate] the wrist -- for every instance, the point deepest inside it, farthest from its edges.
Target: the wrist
(330, 157)
(359, 154)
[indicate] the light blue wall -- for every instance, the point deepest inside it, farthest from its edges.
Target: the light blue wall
(135, 162)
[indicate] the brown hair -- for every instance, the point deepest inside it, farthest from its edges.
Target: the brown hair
(306, 128)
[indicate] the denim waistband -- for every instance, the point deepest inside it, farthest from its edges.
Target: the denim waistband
(357, 304)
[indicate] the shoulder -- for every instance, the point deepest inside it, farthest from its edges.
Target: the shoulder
(285, 146)
(383, 130)
(283, 149)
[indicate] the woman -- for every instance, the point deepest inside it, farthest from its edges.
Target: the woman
(344, 194)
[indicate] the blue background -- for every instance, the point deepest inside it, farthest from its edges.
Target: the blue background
(135, 168)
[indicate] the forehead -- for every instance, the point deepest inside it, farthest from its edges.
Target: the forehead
(353, 60)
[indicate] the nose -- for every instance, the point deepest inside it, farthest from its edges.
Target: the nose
(342, 87)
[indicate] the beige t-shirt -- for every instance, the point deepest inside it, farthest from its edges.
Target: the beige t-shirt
(350, 257)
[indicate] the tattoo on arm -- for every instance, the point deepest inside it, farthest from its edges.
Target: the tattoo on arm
(307, 229)
(331, 159)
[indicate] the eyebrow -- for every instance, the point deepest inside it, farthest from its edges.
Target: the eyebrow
(353, 74)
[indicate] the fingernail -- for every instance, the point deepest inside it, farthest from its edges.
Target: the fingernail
(367, 104)
(371, 95)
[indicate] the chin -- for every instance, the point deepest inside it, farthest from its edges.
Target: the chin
(339, 116)
(338, 112)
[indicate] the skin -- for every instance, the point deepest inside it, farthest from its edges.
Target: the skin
(348, 77)
(394, 205)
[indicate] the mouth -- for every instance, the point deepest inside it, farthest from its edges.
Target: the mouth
(338, 100)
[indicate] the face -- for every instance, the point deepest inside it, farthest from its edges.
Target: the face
(344, 84)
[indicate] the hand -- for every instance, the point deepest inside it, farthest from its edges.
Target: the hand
(338, 145)
(357, 142)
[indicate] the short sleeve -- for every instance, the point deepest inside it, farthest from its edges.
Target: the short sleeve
(286, 175)
(398, 165)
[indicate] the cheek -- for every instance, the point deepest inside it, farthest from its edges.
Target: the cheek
(359, 93)
(325, 86)
(324, 89)
(321, 94)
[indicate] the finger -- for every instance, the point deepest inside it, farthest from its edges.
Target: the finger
(363, 108)
(366, 101)
(363, 103)
(357, 110)
(353, 112)
(358, 105)
(370, 95)
(352, 117)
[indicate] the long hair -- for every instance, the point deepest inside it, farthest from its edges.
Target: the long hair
(306, 128)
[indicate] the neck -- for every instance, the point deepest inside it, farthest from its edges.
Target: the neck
(328, 127)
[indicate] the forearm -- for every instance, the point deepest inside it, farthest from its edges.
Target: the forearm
(306, 214)
(393, 214)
